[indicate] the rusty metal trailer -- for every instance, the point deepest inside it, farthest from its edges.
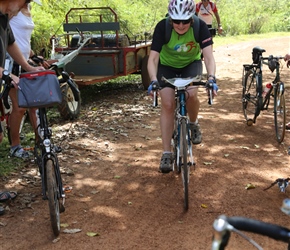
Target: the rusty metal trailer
(107, 54)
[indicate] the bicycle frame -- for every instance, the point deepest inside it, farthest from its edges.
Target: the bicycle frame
(181, 139)
(181, 114)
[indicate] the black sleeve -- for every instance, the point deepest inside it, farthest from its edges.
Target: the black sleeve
(205, 38)
(159, 36)
(1, 128)
(11, 38)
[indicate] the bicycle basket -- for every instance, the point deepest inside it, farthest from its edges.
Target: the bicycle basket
(256, 53)
(38, 89)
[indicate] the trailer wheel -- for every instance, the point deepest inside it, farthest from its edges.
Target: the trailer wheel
(144, 73)
(69, 108)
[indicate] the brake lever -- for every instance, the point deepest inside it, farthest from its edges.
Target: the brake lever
(155, 87)
(209, 87)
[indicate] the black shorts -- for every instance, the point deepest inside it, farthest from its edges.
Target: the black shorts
(191, 70)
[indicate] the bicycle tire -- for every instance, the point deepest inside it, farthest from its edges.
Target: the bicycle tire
(53, 197)
(69, 108)
(249, 97)
(279, 112)
(184, 160)
(174, 144)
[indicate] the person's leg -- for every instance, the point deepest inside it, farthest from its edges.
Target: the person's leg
(33, 120)
(167, 94)
(167, 117)
(15, 121)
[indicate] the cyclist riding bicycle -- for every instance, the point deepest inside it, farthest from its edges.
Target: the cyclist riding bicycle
(181, 57)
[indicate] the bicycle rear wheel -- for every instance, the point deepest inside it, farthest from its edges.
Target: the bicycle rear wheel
(279, 112)
(184, 160)
(53, 197)
(249, 97)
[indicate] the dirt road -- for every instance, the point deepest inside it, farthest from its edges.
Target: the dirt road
(111, 158)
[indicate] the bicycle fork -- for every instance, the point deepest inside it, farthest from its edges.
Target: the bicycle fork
(49, 155)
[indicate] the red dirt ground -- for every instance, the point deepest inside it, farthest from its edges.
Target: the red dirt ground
(111, 158)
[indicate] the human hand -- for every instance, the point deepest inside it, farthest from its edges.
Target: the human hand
(32, 68)
(39, 60)
(1, 136)
(220, 30)
(15, 80)
(154, 86)
(215, 88)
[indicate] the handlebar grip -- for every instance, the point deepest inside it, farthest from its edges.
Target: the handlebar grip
(267, 229)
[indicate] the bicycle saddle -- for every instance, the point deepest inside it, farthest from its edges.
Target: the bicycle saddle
(256, 53)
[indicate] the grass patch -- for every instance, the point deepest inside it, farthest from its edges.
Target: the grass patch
(10, 164)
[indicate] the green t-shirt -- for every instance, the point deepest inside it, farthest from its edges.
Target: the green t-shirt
(181, 50)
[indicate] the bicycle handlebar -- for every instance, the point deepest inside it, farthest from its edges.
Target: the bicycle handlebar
(223, 225)
(187, 82)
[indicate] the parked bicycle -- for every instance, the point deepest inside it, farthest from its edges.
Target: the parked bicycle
(254, 100)
(223, 226)
(181, 143)
(45, 153)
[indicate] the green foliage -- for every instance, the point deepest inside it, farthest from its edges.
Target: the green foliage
(139, 16)
(250, 17)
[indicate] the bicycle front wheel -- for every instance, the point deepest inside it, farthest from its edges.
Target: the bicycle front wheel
(52, 195)
(184, 160)
(249, 97)
(279, 112)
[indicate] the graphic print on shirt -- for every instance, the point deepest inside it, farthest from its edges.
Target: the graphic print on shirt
(185, 47)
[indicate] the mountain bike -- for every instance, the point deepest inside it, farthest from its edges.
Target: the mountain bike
(254, 100)
(45, 155)
(181, 142)
(223, 226)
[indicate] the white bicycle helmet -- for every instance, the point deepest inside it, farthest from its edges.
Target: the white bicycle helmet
(181, 9)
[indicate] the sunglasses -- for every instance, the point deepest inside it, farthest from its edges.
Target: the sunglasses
(181, 21)
(28, 1)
